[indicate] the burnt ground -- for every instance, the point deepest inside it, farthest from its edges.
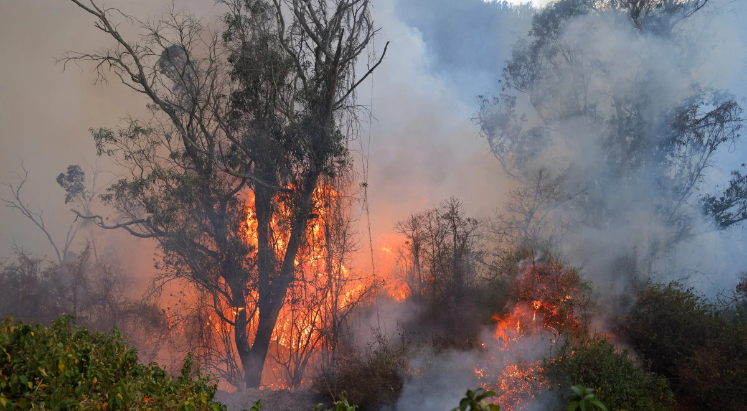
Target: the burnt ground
(281, 400)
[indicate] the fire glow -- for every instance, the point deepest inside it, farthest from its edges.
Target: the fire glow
(323, 287)
(545, 297)
(548, 297)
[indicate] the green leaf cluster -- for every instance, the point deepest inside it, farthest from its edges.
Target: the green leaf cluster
(477, 401)
(62, 367)
(341, 404)
(584, 399)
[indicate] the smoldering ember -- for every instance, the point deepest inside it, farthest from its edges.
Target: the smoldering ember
(373, 205)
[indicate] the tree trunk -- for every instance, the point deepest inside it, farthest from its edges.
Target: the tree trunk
(243, 347)
(253, 359)
(272, 293)
(254, 362)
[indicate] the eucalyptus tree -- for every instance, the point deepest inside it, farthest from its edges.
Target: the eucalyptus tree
(604, 104)
(245, 124)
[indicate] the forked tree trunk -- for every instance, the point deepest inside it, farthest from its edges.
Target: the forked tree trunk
(272, 291)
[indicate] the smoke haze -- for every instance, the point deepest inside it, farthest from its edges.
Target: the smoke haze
(421, 145)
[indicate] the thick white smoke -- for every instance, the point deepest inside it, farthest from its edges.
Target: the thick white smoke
(444, 53)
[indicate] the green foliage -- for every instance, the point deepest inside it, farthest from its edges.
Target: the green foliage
(66, 368)
(581, 398)
(73, 182)
(729, 206)
(662, 315)
(702, 349)
(476, 401)
(341, 404)
(584, 399)
(619, 382)
(372, 378)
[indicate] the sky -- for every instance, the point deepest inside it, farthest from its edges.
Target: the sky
(421, 146)
(45, 113)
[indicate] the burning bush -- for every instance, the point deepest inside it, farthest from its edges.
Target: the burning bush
(696, 345)
(547, 303)
(545, 296)
(620, 383)
(66, 368)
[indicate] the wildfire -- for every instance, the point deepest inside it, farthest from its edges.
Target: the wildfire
(399, 292)
(170, 319)
(323, 284)
(547, 299)
(479, 372)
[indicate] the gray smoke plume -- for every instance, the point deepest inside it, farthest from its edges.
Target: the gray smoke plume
(423, 145)
(453, 46)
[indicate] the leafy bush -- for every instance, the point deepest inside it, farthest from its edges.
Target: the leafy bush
(477, 401)
(619, 382)
(341, 404)
(62, 367)
(372, 378)
(585, 399)
(581, 397)
(702, 349)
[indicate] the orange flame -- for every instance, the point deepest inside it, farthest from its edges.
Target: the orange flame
(303, 318)
(546, 296)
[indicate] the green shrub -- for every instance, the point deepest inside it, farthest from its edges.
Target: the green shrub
(62, 367)
(371, 379)
(341, 404)
(580, 398)
(701, 348)
(619, 382)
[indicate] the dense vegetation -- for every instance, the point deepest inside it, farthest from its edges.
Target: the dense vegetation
(63, 367)
(371, 378)
(621, 383)
(699, 345)
(242, 174)
(687, 352)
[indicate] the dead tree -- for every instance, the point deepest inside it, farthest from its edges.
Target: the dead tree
(73, 181)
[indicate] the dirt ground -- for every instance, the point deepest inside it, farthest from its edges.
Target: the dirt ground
(281, 400)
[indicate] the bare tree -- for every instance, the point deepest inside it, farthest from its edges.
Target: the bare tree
(441, 252)
(37, 217)
(77, 193)
(530, 217)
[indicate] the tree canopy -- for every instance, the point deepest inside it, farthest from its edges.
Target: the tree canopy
(607, 121)
(247, 121)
